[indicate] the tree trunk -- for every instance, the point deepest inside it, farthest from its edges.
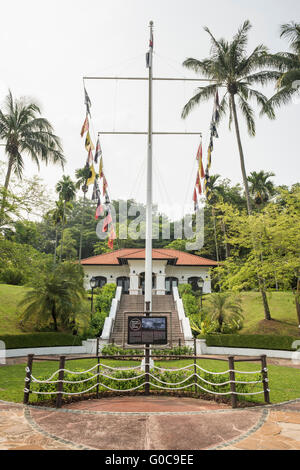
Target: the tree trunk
(82, 225)
(247, 193)
(297, 298)
(53, 313)
(215, 233)
(6, 184)
(62, 234)
(55, 246)
(227, 254)
(242, 160)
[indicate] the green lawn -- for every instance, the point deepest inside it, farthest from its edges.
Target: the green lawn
(284, 381)
(282, 307)
(10, 296)
(283, 312)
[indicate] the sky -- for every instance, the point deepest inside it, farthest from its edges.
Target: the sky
(49, 46)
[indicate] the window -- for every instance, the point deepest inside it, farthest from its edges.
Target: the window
(101, 281)
(193, 281)
(170, 283)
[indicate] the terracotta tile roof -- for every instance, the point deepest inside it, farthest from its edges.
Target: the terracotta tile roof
(180, 257)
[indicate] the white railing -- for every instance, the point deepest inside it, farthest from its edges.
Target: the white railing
(109, 321)
(183, 319)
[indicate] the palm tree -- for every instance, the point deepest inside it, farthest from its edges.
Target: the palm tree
(230, 67)
(57, 295)
(82, 175)
(288, 64)
(261, 188)
(25, 132)
(67, 191)
(224, 309)
(56, 216)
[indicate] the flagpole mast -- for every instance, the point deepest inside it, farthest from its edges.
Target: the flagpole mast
(148, 262)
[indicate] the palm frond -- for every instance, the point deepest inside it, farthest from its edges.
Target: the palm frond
(202, 94)
(248, 113)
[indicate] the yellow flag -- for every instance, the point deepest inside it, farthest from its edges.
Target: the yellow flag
(88, 143)
(92, 176)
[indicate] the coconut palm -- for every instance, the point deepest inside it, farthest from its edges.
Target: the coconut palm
(82, 175)
(225, 310)
(231, 68)
(261, 188)
(67, 191)
(56, 215)
(25, 133)
(288, 63)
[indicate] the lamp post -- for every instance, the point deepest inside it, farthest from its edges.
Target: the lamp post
(201, 285)
(93, 284)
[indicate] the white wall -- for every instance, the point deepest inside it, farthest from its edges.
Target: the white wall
(110, 272)
(159, 267)
(183, 273)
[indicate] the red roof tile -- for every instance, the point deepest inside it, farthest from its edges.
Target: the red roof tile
(180, 257)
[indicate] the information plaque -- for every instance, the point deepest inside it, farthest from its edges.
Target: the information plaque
(147, 330)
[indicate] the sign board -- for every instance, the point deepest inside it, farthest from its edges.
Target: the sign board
(147, 330)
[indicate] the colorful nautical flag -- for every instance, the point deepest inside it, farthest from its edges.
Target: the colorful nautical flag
(85, 126)
(92, 176)
(200, 160)
(104, 186)
(88, 143)
(99, 210)
(106, 222)
(90, 158)
(98, 152)
(216, 111)
(101, 168)
(87, 102)
(207, 189)
(198, 184)
(149, 54)
(111, 238)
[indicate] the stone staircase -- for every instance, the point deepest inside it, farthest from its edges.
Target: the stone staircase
(135, 304)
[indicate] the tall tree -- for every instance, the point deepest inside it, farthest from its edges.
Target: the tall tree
(25, 132)
(288, 63)
(261, 188)
(82, 175)
(230, 66)
(67, 191)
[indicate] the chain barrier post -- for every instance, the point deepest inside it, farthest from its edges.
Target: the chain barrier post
(60, 385)
(28, 379)
(265, 379)
(232, 382)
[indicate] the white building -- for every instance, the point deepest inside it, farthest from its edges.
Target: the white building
(126, 268)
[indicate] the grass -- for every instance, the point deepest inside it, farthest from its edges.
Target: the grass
(282, 305)
(284, 381)
(10, 296)
(283, 312)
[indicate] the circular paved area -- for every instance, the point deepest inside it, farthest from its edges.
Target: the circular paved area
(151, 423)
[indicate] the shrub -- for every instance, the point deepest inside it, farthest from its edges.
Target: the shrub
(165, 379)
(104, 298)
(12, 276)
(112, 350)
(38, 340)
(252, 341)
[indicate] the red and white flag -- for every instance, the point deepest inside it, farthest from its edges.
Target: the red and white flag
(85, 127)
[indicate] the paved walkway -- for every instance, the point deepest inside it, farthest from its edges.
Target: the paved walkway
(127, 423)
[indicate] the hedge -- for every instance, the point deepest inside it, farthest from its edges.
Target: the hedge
(283, 343)
(38, 340)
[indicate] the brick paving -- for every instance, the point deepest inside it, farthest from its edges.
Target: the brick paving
(128, 424)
